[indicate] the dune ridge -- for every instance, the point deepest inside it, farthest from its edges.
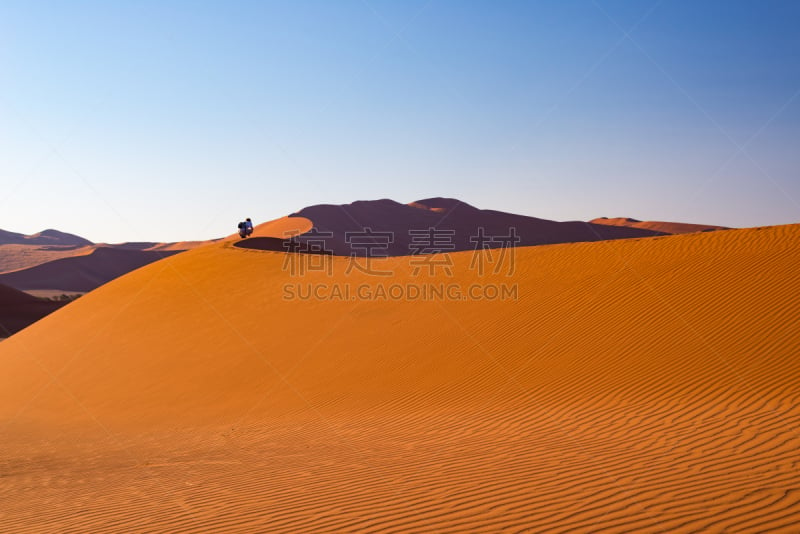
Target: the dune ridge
(390, 228)
(45, 237)
(658, 226)
(19, 257)
(19, 253)
(639, 385)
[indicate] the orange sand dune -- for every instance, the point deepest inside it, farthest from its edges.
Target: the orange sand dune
(283, 227)
(658, 226)
(646, 385)
(181, 245)
(274, 231)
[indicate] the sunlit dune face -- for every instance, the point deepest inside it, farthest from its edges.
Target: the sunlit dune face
(281, 228)
(637, 385)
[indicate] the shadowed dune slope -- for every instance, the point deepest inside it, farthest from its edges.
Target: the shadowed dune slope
(456, 224)
(71, 268)
(83, 272)
(634, 386)
(10, 296)
(658, 226)
(18, 257)
(18, 310)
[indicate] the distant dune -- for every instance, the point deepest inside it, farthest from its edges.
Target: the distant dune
(18, 310)
(388, 228)
(20, 253)
(17, 257)
(645, 385)
(45, 237)
(658, 226)
(84, 272)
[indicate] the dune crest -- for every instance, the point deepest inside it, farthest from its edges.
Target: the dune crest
(636, 385)
(283, 227)
(53, 260)
(45, 237)
(658, 226)
(388, 228)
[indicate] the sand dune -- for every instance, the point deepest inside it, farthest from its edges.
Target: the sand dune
(283, 227)
(180, 246)
(19, 252)
(18, 310)
(63, 268)
(18, 257)
(457, 224)
(638, 385)
(45, 237)
(658, 226)
(275, 235)
(83, 272)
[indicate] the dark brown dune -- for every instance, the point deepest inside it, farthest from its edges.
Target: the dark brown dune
(18, 310)
(388, 228)
(82, 273)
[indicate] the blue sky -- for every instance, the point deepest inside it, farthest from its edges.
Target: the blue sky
(173, 120)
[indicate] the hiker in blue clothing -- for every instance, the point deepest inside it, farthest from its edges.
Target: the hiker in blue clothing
(245, 228)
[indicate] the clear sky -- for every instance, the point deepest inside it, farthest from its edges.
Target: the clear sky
(169, 120)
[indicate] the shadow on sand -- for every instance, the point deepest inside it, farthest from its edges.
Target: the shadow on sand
(281, 245)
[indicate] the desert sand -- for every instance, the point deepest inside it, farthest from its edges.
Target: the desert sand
(642, 385)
